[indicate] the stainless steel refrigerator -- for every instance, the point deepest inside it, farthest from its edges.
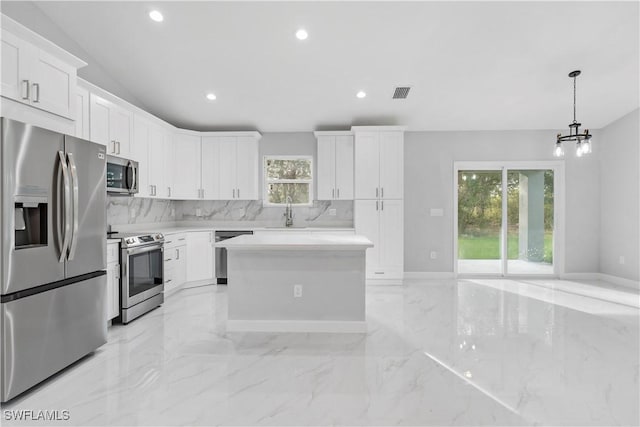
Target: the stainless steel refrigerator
(52, 253)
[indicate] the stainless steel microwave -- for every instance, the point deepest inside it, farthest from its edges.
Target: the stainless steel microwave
(122, 175)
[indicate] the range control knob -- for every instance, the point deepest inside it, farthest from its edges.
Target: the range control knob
(130, 240)
(158, 236)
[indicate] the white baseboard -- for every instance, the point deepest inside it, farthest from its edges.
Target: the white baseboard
(428, 275)
(579, 276)
(334, 326)
(620, 281)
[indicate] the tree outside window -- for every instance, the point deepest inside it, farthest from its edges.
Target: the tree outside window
(288, 176)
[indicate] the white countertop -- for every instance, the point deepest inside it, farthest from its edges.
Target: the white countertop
(172, 229)
(282, 241)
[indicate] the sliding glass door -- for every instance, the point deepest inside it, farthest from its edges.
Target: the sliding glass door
(506, 218)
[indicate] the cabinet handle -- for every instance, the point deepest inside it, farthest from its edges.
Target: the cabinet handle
(36, 88)
(382, 205)
(376, 205)
(382, 193)
(333, 193)
(376, 192)
(338, 193)
(117, 270)
(177, 253)
(202, 192)
(155, 190)
(167, 281)
(118, 142)
(169, 191)
(113, 146)
(238, 193)
(234, 193)
(27, 86)
(379, 272)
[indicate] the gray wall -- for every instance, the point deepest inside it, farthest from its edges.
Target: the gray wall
(429, 158)
(619, 200)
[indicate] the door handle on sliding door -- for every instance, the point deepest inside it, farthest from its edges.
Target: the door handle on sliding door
(74, 188)
(66, 207)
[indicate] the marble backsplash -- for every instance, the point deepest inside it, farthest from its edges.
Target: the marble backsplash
(136, 210)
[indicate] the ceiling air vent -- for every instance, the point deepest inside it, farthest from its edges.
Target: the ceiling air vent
(401, 92)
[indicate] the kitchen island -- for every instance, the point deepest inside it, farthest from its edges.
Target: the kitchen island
(296, 283)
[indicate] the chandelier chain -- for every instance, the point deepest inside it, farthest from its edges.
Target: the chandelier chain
(574, 99)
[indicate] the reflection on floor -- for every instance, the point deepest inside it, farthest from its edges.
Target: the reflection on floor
(466, 352)
(494, 266)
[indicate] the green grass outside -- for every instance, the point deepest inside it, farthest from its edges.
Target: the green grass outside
(488, 247)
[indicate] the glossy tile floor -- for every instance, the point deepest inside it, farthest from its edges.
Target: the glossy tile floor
(468, 352)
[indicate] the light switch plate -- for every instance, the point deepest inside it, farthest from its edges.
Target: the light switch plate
(437, 212)
(198, 212)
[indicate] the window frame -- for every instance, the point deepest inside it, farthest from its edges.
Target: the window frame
(266, 181)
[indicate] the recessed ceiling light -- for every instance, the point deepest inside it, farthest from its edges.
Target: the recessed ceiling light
(302, 34)
(361, 94)
(156, 16)
(211, 96)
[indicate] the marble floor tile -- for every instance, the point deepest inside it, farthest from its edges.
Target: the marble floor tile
(465, 352)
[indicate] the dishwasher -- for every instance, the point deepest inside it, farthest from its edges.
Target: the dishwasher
(221, 253)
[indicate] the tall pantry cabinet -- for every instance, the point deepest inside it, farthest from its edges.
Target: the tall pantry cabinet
(379, 199)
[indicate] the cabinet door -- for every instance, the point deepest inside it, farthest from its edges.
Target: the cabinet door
(366, 219)
(100, 122)
(139, 152)
(227, 167)
(344, 167)
(113, 290)
(209, 168)
(199, 256)
(180, 267)
(156, 161)
(247, 168)
(391, 165)
(54, 85)
(367, 159)
(122, 128)
(168, 167)
(391, 236)
(15, 56)
(186, 160)
(326, 168)
(82, 113)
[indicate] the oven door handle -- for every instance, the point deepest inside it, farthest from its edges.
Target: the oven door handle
(145, 249)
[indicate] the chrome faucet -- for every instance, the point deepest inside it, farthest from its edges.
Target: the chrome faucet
(288, 213)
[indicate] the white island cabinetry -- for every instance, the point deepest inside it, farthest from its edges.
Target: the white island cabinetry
(200, 256)
(296, 282)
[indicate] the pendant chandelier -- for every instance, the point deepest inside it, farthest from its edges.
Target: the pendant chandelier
(583, 140)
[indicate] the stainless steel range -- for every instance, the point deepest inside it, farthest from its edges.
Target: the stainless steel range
(142, 283)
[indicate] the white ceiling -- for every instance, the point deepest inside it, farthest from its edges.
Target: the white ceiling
(471, 66)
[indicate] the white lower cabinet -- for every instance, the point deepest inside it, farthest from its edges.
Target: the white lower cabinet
(175, 262)
(381, 221)
(113, 280)
(200, 256)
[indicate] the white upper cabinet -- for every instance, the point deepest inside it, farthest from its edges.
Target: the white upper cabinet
(169, 167)
(209, 169)
(237, 166)
(379, 160)
(159, 179)
(140, 151)
(82, 113)
(247, 168)
(36, 72)
(335, 166)
(111, 125)
(186, 161)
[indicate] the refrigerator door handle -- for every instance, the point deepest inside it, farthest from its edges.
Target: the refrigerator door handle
(66, 207)
(74, 184)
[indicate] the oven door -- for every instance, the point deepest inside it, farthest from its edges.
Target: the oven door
(122, 176)
(143, 274)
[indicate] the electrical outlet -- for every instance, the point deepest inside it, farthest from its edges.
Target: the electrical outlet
(332, 212)
(198, 212)
(297, 291)
(241, 211)
(621, 260)
(434, 255)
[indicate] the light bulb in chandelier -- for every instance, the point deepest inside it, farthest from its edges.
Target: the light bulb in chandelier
(586, 145)
(579, 151)
(559, 151)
